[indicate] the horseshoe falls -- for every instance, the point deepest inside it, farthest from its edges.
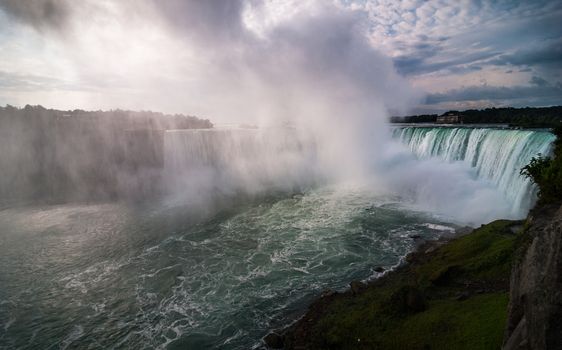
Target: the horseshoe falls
(246, 237)
(495, 154)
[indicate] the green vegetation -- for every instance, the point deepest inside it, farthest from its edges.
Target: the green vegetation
(483, 255)
(528, 117)
(546, 172)
(454, 297)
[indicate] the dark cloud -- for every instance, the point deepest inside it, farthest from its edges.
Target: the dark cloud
(41, 14)
(410, 64)
(419, 63)
(539, 94)
(464, 69)
(538, 81)
(549, 54)
(503, 34)
(423, 46)
(204, 20)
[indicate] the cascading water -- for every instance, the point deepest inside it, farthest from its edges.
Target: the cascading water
(236, 160)
(495, 154)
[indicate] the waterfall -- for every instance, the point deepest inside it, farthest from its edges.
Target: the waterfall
(496, 155)
(236, 160)
(204, 162)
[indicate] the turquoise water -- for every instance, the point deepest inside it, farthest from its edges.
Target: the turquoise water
(497, 155)
(112, 276)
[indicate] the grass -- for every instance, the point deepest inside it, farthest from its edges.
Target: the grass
(484, 254)
(475, 323)
(379, 318)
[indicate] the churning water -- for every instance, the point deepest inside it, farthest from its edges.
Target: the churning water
(170, 275)
(108, 276)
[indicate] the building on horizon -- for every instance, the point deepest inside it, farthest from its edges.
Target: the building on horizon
(449, 118)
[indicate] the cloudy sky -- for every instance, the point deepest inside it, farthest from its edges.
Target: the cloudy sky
(221, 58)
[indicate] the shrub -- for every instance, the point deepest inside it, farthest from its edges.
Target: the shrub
(546, 172)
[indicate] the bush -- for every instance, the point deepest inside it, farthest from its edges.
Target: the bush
(546, 172)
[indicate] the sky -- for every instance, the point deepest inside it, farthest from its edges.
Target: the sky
(233, 60)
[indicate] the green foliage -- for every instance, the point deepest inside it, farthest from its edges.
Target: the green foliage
(369, 321)
(476, 323)
(485, 254)
(547, 172)
(536, 168)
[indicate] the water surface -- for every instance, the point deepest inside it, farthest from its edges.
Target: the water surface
(99, 276)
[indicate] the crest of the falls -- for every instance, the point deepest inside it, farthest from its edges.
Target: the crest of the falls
(237, 160)
(496, 155)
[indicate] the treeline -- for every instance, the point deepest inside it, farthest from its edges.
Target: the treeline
(81, 155)
(540, 117)
(38, 116)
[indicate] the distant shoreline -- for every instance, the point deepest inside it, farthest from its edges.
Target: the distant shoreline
(528, 117)
(470, 126)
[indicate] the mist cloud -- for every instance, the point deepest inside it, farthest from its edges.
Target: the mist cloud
(311, 64)
(41, 14)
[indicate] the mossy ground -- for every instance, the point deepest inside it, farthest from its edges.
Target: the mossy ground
(464, 283)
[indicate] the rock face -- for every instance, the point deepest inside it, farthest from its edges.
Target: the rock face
(415, 301)
(274, 341)
(356, 287)
(535, 307)
(408, 299)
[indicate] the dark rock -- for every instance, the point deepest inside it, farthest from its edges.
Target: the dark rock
(415, 236)
(419, 243)
(518, 339)
(462, 296)
(356, 286)
(379, 269)
(407, 300)
(410, 258)
(430, 249)
(327, 293)
(415, 300)
(274, 341)
(461, 231)
(445, 276)
(535, 300)
(515, 228)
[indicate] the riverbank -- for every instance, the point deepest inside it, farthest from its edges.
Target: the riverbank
(448, 295)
